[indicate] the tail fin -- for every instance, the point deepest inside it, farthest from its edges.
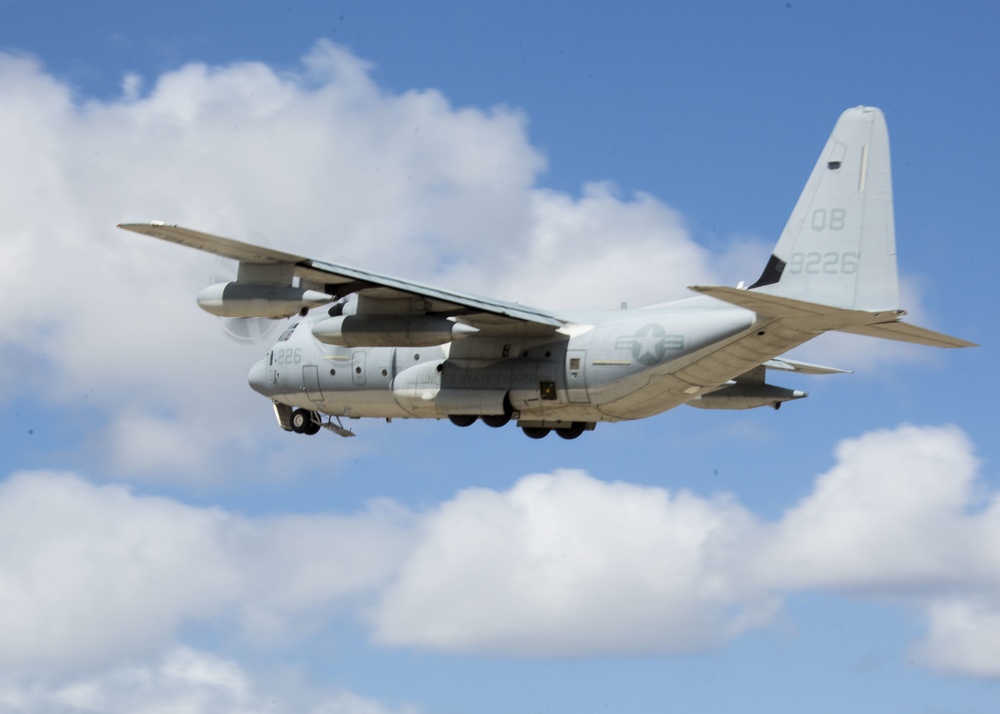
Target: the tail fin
(839, 246)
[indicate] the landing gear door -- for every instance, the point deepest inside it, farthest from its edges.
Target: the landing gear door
(310, 380)
(576, 376)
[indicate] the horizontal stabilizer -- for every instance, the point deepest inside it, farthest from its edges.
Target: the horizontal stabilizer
(904, 332)
(814, 316)
(790, 365)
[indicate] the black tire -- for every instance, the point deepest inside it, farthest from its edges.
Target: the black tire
(496, 420)
(462, 419)
(572, 431)
(305, 422)
(301, 420)
(535, 432)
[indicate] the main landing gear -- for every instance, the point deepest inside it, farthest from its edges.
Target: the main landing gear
(566, 432)
(571, 431)
(463, 419)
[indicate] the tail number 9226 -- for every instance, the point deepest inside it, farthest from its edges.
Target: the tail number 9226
(827, 263)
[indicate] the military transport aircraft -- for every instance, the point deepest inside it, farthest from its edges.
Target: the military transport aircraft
(392, 348)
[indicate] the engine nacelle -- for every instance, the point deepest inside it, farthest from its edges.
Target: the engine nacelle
(389, 330)
(737, 395)
(419, 390)
(250, 300)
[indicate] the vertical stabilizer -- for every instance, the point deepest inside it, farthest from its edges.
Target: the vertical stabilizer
(839, 246)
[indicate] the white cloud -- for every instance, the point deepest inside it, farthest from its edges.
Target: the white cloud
(91, 574)
(964, 635)
(596, 251)
(182, 681)
(892, 511)
(564, 564)
(561, 564)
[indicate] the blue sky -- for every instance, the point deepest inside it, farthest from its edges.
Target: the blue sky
(167, 547)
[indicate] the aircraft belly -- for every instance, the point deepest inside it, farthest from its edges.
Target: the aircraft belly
(359, 403)
(562, 413)
(366, 403)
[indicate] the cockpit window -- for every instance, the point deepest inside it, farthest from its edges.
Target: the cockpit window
(287, 333)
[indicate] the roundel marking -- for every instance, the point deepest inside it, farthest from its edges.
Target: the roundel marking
(649, 344)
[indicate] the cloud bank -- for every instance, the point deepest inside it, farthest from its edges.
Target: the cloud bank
(562, 564)
(91, 574)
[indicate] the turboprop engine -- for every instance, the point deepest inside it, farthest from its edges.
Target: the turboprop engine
(389, 330)
(251, 300)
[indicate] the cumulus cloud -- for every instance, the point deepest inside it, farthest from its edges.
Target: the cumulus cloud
(892, 511)
(964, 635)
(90, 574)
(564, 564)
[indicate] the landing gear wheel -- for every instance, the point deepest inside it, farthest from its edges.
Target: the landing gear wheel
(535, 432)
(572, 431)
(462, 419)
(304, 422)
(496, 420)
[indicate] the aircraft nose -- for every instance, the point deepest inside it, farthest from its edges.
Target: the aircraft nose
(258, 377)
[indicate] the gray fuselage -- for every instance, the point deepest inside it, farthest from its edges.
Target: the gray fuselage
(598, 368)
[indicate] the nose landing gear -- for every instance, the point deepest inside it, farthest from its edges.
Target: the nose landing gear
(305, 422)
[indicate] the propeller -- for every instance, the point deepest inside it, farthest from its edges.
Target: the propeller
(246, 330)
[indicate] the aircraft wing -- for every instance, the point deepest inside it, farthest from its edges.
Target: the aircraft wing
(377, 293)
